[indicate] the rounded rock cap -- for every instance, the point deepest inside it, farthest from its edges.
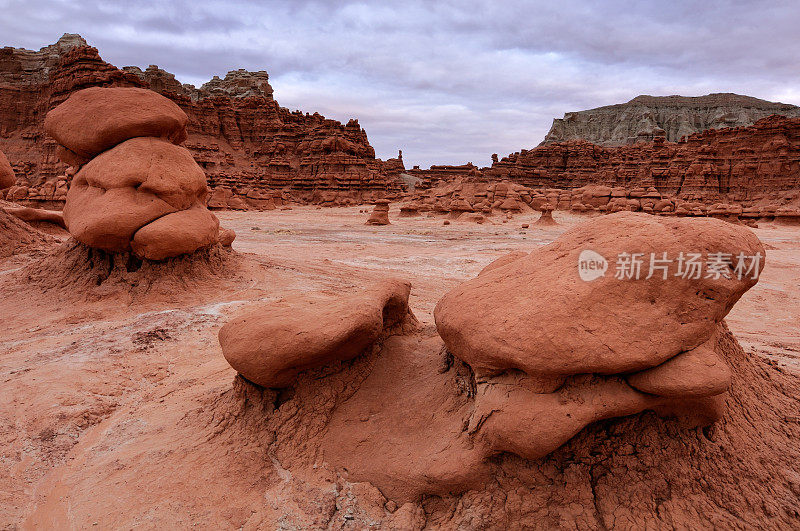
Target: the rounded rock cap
(96, 119)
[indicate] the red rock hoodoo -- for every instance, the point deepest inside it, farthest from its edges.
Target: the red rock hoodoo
(380, 214)
(139, 193)
(546, 377)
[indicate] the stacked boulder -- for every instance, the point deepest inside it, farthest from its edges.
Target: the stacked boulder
(136, 189)
(531, 369)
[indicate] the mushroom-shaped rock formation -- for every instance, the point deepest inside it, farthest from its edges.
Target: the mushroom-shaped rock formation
(140, 192)
(271, 344)
(546, 219)
(7, 179)
(410, 210)
(545, 374)
(380, 214)
(533, 355)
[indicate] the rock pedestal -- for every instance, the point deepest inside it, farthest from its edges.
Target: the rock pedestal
(380, 214)
(546, 219)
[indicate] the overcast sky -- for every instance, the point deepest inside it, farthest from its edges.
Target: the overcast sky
(445, 81)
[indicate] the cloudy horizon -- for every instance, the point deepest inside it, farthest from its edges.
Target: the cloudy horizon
(447, 82)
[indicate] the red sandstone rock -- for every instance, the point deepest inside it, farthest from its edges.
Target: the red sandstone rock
(95, 119)
(144, 194)
(129, 186)
(546, 219)
(181, 232)
(7, 178)
(687, 312)
(17, 236)
(37, 215)
(237, 132)
(735, 164)
(659, 118)
(450, 425)
(696, 373)
(226, 237)
(787, 215)
(409, 210)
(273, 343)
(533, 394)
(503, 260)
(380, 214)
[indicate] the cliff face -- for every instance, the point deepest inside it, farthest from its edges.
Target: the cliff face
(646, 118)
(238, 133)
(737, 163)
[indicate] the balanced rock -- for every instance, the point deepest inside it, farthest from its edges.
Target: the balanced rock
(7, 179)
(582, 349)
(608, 319)
(271, 344)
(409, 210)
(139, 193)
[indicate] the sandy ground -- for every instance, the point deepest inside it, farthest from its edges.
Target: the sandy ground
(91, 391)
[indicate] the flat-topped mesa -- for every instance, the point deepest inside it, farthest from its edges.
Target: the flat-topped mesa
(237, 132)
(646, 118)
(136, 190)
(736, 164)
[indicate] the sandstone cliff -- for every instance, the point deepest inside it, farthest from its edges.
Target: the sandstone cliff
(645, 118)
(248, 145)
(736, 163)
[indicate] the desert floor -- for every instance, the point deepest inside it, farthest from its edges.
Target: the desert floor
(98, 398)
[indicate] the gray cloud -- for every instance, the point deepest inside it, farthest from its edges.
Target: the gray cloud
(446, 81)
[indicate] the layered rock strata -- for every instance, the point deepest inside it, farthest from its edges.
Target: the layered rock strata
(646, 118)
(244, 141)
